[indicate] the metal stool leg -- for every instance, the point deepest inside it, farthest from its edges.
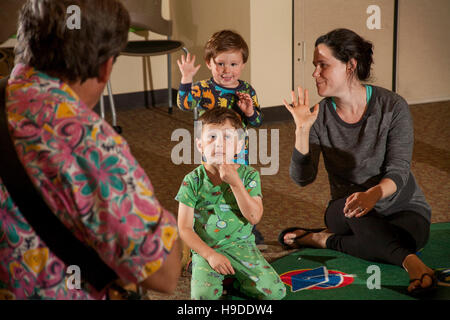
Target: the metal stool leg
(113, 109)
(102, 107)
(195, 114)
(169, 82)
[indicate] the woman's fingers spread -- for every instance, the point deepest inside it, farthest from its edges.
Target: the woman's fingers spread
(293, 98)
(300, 96)
(287, 105)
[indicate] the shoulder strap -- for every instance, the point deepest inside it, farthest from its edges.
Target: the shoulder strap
(45, 223)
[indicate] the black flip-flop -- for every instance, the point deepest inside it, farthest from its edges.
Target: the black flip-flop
(419, 291)
(292, 229)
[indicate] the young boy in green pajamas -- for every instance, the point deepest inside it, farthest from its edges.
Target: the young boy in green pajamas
(219, 202)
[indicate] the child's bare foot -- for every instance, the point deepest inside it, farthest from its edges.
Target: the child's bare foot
(307, 238)
(420, 275)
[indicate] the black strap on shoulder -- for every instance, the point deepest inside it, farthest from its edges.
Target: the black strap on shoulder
(45, 223)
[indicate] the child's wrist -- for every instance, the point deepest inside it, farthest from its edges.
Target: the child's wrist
(209, 253)
(250, 114)
(187, 79)
(236, 185)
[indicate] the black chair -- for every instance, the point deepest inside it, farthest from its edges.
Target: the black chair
(146, 15)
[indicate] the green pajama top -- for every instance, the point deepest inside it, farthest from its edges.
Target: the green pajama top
(218, 220)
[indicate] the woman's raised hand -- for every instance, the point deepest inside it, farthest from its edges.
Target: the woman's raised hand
(187, 68)
(299, 108)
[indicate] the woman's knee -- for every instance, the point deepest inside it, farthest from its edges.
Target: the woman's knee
(334, 217)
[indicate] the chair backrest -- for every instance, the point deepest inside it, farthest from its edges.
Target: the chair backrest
(146, 14)
(9, 14)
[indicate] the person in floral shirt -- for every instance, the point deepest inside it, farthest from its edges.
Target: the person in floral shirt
(82, 167)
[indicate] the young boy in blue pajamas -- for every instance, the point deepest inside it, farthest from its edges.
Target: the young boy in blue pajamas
(219, 202)
(226, 54)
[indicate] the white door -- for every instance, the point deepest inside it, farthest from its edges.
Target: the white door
(373, 20)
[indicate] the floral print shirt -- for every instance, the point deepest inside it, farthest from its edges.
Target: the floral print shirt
(89, 178)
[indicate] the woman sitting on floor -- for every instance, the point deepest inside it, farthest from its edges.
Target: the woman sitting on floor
(365, 133)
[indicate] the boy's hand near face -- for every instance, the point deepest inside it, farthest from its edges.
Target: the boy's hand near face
(187, 68)
(245, 103)
(228, 173)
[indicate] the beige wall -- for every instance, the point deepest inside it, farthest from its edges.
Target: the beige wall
(271, 50)
(424, 50)
(314, 18)
(266, 25)
(196, 20)
(128, 72)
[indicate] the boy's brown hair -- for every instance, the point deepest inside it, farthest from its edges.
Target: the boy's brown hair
(219, 116)
(225, 40)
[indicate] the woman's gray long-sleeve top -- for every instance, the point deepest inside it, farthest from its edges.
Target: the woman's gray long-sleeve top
(357, 156)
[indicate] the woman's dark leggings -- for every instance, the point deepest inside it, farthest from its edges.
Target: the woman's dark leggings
(374, 237)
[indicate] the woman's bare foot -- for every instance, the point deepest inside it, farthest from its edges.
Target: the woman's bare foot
(416, 269)
(313, 239)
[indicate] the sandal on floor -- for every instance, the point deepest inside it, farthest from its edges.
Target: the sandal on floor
(292, 229)
(419, 291)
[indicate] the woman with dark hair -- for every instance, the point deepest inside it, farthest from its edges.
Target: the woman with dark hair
(365, 133)
(82, 168)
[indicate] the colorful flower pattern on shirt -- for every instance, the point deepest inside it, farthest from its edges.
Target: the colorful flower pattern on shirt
(89, 178)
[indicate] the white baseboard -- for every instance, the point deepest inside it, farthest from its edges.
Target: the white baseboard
(421, 101)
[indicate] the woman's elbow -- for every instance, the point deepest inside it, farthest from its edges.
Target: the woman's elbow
(302, 182)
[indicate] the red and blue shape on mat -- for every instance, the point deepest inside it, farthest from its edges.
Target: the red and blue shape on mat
(316, 279)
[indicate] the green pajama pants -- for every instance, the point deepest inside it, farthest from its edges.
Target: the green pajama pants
(256, 276)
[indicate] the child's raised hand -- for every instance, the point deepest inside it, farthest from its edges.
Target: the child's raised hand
(228, 173)
(187, 68)
(220, 263)
(245, 103)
